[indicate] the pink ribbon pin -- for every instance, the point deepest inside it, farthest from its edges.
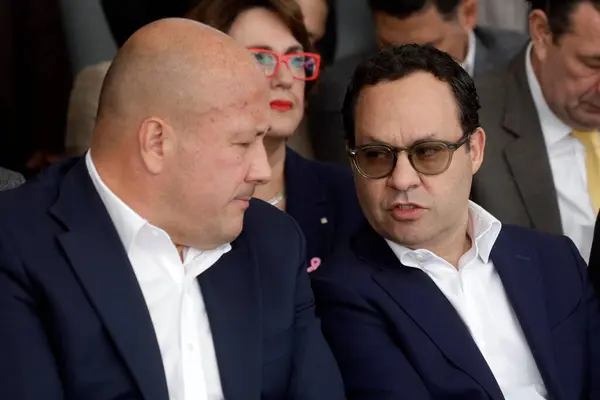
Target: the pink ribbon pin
(315, 263)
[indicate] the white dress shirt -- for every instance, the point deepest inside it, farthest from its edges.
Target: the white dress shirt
(567, 162)
(469, 62)
(173, 298)
(476, 292)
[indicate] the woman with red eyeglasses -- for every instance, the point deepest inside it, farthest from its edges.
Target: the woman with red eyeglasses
(319, 196)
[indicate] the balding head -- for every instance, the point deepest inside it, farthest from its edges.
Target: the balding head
(179, 132)
(172, 69)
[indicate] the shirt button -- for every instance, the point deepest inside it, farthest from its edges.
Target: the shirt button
(420, 257)
(191, 347)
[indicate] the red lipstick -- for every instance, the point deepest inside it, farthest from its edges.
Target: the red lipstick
(281, 105)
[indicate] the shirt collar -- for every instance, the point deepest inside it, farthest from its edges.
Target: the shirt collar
(469, 63)
(553, 129)
(483, 229)
(126, 221)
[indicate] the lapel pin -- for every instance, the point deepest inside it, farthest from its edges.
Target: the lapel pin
(324, 221)
(315, 263)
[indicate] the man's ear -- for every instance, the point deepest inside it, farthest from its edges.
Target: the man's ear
(467, 14)
(154, 137)
(540, 33)
(477, 144)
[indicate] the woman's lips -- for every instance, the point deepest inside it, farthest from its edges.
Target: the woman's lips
(281, 105)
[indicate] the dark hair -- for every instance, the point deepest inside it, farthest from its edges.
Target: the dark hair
(397, 62)
(221, 14)
(406, 8)
(559, 13)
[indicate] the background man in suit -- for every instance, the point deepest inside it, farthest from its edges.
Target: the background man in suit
(450, 25)
(127, 274)
(9, 179)
(436, 299)
(542, 115)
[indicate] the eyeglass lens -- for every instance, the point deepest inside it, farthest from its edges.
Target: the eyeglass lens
(301, 66)
(377, 161)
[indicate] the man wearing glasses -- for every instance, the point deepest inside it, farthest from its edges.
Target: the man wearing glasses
(435, 298)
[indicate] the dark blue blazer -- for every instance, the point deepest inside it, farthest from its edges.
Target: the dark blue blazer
(75, 324)
(322, 199)
(396, 336)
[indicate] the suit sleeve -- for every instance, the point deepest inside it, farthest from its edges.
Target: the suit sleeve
(316, 374)
(28, 369)
(372, 364)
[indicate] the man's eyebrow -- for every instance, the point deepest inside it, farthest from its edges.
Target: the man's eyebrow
(372, 139)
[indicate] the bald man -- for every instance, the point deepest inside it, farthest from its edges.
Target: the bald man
(144, 270)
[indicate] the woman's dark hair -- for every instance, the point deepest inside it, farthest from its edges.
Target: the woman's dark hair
(397, 62)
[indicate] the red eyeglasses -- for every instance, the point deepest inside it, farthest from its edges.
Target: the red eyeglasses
(302, 66)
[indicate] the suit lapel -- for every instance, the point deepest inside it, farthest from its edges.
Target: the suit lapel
(526, 155)
(99, 260)
(420, 298)
(519, 270)
(307, 203)
(231, 292)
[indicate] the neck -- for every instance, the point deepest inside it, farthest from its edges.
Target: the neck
(535, 66)
(275, 148)
(454, 243)
(465, 48)
(122, 177)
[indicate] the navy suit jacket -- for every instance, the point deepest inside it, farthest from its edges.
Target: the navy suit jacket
(75, 324)
(322, 199)
(396, 336)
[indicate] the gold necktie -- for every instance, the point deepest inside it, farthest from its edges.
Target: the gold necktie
(591, 141)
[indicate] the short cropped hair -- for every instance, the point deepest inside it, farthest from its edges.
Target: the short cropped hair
(397, 62)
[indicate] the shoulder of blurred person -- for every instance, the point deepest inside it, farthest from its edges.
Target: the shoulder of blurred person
(496, 47)
(83, 107)
(322, 198)
(328, 93)
(505, 14)
(10, 179)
